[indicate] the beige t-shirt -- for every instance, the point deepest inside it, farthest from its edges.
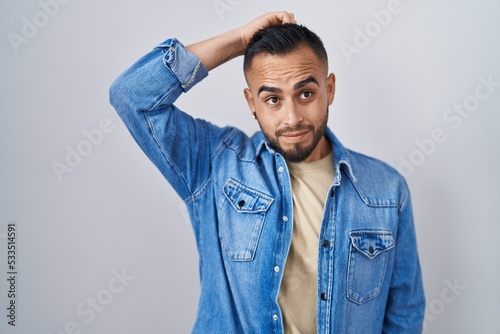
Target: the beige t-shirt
(298, 293)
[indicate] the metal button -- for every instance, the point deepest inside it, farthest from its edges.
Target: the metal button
(285, 218)
(280, 169)
(241, 203)
(275, 317)
(324, 296)
(326, 243)
(276, 269)
(370, 249)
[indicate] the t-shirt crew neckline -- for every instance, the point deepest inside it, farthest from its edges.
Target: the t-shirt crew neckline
(310, 166)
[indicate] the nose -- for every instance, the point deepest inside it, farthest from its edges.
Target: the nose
(292, 114)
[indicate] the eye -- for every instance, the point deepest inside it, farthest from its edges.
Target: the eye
(305, 95)
(273, 100)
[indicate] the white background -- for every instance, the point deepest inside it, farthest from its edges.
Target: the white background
(114, 211)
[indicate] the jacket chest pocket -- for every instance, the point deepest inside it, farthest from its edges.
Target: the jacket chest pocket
(242, 211)
(368, 256)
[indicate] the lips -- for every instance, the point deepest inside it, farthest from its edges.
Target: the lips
(296, 136)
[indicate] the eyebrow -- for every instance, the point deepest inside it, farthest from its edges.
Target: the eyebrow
(269, 89)
(297, 86)
(304, 82)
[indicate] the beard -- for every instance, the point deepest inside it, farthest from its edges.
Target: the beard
(300, 151)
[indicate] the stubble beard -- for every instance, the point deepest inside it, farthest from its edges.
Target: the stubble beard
(300, 151)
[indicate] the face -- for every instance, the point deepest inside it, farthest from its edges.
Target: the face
(290, 96)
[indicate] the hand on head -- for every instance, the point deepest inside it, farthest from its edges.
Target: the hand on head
(264, 21)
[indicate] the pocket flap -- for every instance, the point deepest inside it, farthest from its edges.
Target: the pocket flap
(372, 243)
(245, 199)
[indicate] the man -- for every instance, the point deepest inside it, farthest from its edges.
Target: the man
(295, 233)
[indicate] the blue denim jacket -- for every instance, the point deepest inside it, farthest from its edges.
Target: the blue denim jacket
(238, 193)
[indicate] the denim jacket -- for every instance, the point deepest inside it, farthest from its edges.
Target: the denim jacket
(238, 193)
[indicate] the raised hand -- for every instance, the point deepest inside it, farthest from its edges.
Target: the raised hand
(219, 49)
(264, 21)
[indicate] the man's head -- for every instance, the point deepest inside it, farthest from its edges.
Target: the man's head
(286, 68)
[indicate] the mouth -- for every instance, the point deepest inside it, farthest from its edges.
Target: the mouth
(295, 136)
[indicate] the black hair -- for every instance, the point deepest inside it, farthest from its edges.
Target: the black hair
(282, 40)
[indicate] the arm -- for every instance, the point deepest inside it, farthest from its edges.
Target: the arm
(144, 95)
(406, 302)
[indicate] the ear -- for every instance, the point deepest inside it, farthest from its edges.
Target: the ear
(250, 100)
(330, 87)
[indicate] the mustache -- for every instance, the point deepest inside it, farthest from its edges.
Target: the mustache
(298, 128)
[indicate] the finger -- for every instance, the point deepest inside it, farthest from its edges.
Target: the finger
(288, 18)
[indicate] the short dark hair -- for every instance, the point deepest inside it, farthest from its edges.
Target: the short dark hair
(282, 40)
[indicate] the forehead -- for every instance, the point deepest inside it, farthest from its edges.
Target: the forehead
(285, 69)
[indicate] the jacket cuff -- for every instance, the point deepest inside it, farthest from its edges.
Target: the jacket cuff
(188, 69)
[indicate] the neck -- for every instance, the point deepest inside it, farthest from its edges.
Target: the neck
(321, 150)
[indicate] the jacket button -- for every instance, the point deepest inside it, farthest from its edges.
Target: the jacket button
(370, 249)
(324, 296)
(241, 203)
(326, 243)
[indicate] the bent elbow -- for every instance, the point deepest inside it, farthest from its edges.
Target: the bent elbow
(118, 95)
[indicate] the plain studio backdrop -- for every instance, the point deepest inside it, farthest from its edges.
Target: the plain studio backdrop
(103, 243)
